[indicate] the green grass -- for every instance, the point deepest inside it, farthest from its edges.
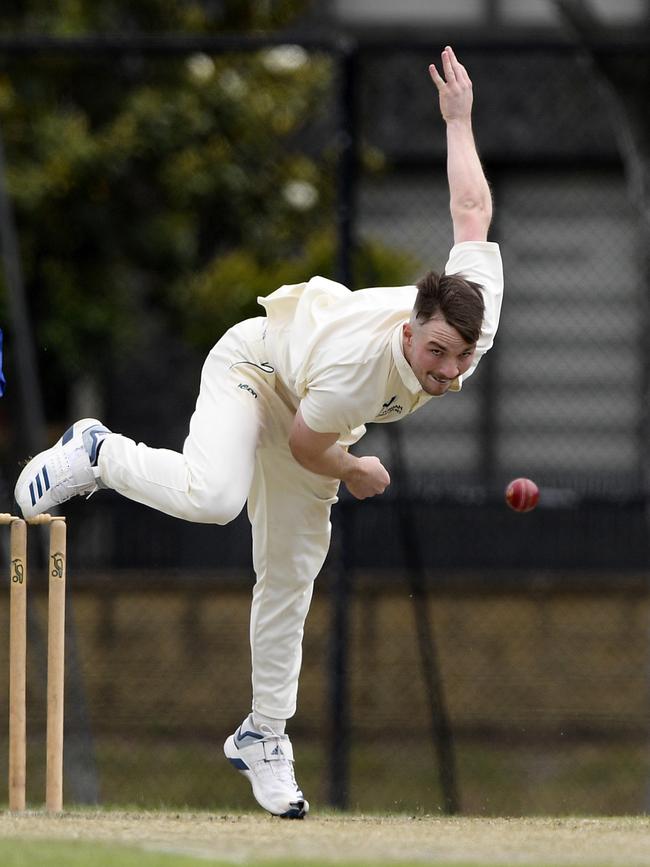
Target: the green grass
(494, 780)
(101, 839)
(20, 853)
(32, 853)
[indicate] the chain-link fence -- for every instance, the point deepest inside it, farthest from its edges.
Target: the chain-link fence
(504, 655)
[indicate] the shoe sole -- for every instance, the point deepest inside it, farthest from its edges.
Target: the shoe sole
(297, 809)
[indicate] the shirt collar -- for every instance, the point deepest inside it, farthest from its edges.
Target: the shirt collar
(409, 379)
(403, 367)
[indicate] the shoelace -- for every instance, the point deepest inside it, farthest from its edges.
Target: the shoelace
(79, 491)
(62, 472)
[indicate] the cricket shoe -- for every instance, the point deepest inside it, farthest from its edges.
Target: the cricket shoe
(66, 470)
(267, 760)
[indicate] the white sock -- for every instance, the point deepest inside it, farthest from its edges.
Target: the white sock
(277, 726)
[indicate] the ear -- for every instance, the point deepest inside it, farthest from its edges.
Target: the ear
(407, 334)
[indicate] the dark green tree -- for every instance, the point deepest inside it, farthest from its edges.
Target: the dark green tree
(169, 190)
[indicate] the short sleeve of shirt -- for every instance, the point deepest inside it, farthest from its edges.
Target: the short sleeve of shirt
(477, 260)
(480, 261)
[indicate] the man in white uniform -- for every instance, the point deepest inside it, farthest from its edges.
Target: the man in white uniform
(281, 399)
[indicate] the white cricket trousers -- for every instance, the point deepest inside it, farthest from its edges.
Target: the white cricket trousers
(237, 451)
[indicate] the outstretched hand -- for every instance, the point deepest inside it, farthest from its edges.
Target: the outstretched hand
(455, 89)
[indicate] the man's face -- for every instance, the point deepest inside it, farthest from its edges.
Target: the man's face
(436, 353)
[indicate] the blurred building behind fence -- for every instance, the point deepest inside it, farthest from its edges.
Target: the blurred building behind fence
(487, 662)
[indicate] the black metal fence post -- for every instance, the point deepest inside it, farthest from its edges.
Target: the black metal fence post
(348, 163)
(441, 731)
(345, 213)
(339, 767)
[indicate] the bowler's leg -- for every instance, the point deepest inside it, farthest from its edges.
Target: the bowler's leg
(289, 509)
(207, 482)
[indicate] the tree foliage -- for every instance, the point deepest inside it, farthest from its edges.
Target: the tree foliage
(173, 188)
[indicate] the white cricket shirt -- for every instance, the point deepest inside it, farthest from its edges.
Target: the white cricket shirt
(339, 353)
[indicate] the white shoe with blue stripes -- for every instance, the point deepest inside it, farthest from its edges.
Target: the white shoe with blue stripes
(66, 470)
(266, 759)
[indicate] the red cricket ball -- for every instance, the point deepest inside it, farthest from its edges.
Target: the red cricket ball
(522, 495)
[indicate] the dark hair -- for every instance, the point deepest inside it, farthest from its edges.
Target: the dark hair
(460, 302)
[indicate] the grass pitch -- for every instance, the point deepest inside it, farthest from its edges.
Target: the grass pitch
(178, 839)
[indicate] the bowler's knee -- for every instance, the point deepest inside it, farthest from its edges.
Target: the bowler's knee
(216, 506)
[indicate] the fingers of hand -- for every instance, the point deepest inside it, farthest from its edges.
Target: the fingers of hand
(437, 79)
(454, 72)
(457, 71)
(448, 61)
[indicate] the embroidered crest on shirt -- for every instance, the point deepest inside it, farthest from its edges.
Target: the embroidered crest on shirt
(389, 407)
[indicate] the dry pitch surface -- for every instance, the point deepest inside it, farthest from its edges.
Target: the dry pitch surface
(432, 840)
